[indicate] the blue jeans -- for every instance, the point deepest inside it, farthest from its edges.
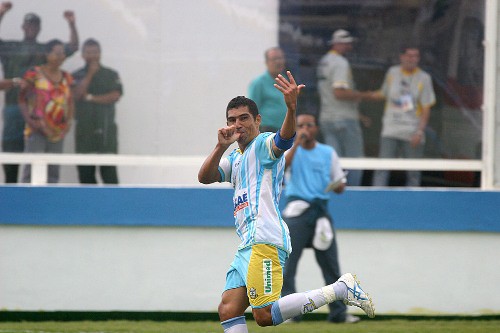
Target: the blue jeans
(12, 139)
(346, 137)
(391, 148)
(38, 143)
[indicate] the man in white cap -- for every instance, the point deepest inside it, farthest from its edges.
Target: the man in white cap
(339, 114)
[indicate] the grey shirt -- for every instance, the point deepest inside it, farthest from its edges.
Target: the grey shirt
(333, 72)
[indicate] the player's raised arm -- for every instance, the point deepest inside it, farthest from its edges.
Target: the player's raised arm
(290, 90)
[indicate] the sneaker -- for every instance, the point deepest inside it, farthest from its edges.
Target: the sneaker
(356, 296)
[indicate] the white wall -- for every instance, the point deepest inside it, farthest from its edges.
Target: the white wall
(170, 269)
(180, 61)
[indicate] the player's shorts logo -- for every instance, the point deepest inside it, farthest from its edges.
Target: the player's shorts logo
(252, 293)
(267, 270)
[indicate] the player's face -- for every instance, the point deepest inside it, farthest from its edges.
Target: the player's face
(410, 59)
(245, 123)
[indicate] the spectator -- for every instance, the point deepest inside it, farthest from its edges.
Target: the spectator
(409, 97)
(97, 89)
(311, 167)
(339, 115)
(269, 100)
(17, 57)
(47, 107)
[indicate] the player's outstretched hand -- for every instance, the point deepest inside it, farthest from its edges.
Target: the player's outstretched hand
(289, 89)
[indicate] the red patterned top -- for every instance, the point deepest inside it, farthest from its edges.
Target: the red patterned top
(48, 101)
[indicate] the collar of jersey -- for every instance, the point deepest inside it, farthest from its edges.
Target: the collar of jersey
(408, 73)
(249, 144)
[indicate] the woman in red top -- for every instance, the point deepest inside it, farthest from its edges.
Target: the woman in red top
(47, 107)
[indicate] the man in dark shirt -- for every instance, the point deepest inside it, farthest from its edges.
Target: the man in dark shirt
(17, 57)
(97, 89)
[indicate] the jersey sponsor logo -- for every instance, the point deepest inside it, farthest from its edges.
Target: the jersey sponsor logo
(267, 269)
(240, 202)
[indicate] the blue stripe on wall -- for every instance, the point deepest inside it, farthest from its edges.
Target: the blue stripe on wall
(417, 210)
(371, 209)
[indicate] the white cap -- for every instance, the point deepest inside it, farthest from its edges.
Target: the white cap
(341, 36)
(323, 234)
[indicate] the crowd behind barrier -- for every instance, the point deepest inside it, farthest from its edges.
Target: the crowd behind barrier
(466, 91)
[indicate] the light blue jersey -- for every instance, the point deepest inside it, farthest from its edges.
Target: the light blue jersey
(257, 176)
(313, 169)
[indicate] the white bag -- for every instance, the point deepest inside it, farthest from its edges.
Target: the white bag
(323, 234)
(295, 208)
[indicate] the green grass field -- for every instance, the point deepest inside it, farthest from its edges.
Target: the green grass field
(365, 326)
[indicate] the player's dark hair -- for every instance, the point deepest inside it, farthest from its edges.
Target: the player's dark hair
(91, 42)
(240, 101)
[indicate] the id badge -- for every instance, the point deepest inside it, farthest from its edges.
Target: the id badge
(406, 102)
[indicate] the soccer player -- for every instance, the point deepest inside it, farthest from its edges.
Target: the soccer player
(255, 169)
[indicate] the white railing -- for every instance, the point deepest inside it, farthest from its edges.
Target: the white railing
(39, 163)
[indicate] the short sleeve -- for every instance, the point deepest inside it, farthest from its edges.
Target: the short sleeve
(264, 149)
(386, 84)
(117, 82)
(341, 76)
(336, 171)
(225, 169)
(427, 98)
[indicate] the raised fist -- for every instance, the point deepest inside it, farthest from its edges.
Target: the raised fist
(5, 7)
(69, 15)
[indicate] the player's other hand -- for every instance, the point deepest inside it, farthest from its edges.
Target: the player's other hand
(227, 135)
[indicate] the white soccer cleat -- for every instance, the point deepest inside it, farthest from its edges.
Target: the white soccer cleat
(356, 296)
